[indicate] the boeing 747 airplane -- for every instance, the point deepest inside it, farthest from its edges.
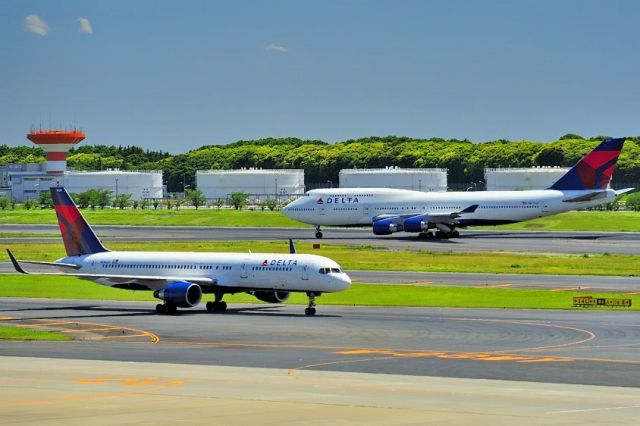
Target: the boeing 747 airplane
(180, 279)
(393, 210)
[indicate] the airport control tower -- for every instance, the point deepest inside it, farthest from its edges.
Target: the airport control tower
(56, 143)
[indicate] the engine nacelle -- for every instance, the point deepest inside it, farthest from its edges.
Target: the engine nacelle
(180, 293)
(386, 227)
(272, 296)
(415, 224)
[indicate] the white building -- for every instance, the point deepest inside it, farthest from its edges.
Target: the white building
(140, 184)
(517, 179)
(28, 181)
(259, 183)
(425, 180)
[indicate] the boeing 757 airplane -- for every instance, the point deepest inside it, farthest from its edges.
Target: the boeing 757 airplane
(392, 210)
(180, 279)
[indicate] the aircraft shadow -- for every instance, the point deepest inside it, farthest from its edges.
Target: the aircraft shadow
(106, 312)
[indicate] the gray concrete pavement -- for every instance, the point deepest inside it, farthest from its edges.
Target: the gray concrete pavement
(103, 392)
(572, 347)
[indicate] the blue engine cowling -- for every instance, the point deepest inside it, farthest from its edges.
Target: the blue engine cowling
(415, 224)
(183, 294)
(386, 227)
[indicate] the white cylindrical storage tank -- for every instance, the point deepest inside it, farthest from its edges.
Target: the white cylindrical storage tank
(140, 184)
(425, 180)
(520, 179)
(259, 183)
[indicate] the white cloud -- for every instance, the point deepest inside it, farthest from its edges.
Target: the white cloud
(276, 48)
(85, 25)
(36, 25)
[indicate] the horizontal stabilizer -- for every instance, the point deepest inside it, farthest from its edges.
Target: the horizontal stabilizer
(624, 191)
(586, 197)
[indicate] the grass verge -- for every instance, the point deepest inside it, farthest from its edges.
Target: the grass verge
(187, 217)
(357, 295)
(19, 333)
(373, 258)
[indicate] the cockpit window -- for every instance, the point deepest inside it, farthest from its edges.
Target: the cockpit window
(329, 270)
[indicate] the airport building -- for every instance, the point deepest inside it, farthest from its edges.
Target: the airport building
(26, 181)
(519, 179)
(283, 184)
(425, 180)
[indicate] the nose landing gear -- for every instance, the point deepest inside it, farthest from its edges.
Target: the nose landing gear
(318, 232)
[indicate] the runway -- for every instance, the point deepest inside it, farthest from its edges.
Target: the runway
(272, 364)
(470, 241)
(594, 347)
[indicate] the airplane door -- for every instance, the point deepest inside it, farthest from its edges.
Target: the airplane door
(243, 270)
(321, 210)
(305, 272)
(545, 207)
(365, 211)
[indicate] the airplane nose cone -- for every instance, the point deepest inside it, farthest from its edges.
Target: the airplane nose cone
(344, 281)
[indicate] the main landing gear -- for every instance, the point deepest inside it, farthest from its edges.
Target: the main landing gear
(438, 235)
(311, 308)
(218, 305)
(318, 232)
(166, 308)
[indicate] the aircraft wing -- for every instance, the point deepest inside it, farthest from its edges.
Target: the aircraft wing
(439, 217)
(148, 281)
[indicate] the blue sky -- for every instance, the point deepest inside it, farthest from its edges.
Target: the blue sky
(176, 75)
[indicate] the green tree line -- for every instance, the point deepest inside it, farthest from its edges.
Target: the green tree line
(322, 161)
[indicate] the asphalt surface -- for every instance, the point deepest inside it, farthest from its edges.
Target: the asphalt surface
(470, 241)
(571, 347)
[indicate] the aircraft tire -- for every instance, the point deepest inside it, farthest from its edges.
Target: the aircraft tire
(160, 309)
(310, 311)
(220, 307)
(318, 235)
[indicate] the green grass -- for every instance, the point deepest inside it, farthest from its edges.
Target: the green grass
(184, 217)
(570, 221)
(381, 259)
(19, 333)
(621, 221)
(357, 295)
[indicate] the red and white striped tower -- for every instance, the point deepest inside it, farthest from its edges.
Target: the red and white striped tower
(56, 143)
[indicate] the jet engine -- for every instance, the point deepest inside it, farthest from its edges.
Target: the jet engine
(182, 294)
(386, 227)
(272, 296)
(415, 224)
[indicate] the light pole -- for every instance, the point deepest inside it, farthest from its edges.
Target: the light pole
(116, 187)
(276, 190)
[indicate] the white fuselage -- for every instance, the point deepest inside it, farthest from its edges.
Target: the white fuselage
(359, 206)
(251, 271)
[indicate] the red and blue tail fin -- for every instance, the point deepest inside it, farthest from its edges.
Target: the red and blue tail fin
(594, 170)
(77, 235)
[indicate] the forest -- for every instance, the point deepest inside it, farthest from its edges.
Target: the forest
(323, 161)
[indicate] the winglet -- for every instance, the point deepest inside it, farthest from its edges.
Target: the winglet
(472, 208)
(292, 247)
(15, 263)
